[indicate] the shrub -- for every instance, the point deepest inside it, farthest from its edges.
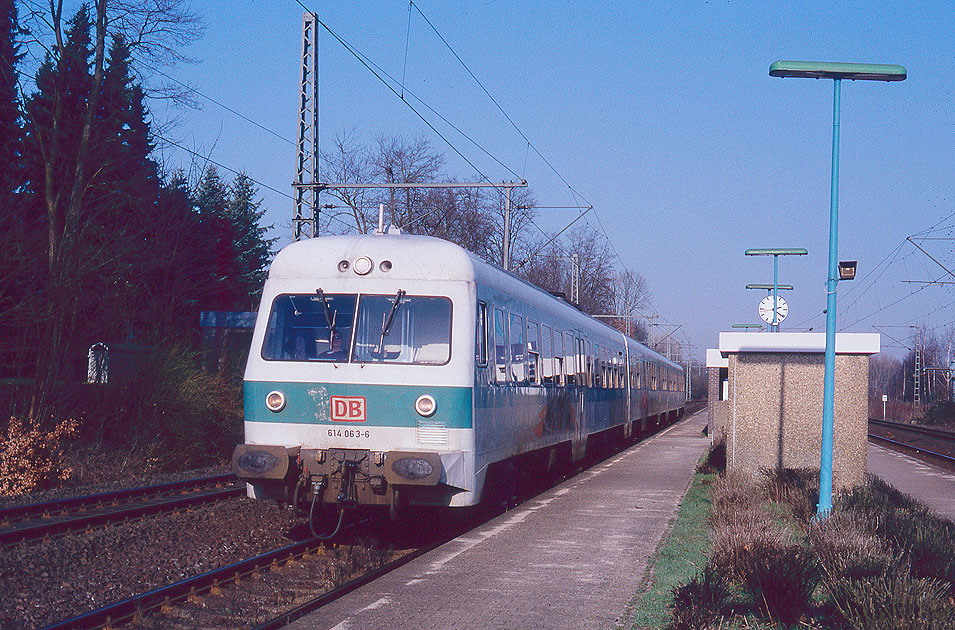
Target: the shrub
(736, 534)
(715, 462)
(895, 599)
(31, 458)
(782, 577)
(191, 417)
(798, 488)
(734, 493)
(941, 413)
(697, 603)
(907, 526)
(882, 570)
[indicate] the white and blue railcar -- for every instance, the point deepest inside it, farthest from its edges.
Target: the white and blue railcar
(397, 370)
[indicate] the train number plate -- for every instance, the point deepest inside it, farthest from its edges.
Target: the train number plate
(348, 408)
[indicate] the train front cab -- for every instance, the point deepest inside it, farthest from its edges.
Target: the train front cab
(385, 423)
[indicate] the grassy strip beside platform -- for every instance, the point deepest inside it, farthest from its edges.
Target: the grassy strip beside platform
(681, 556)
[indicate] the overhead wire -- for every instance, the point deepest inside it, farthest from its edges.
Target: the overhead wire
(379, 73)
(574, 193)
(206, 158)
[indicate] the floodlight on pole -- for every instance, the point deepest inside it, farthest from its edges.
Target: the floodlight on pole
(836, 72)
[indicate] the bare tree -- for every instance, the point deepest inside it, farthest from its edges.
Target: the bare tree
(350, 163)
(885, 376)
(549, 268)
(596, 271)
(400, 161)
(630, 297)
(66, 136)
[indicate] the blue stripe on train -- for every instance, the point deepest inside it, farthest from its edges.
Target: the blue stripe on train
(347, 404)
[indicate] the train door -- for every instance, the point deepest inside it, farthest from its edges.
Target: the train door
(627, 384)
(482, 366)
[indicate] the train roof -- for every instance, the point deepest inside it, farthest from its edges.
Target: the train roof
(320, 257)
(411, 256)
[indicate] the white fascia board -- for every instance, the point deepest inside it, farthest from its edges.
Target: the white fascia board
(716, 359)
(846, 343)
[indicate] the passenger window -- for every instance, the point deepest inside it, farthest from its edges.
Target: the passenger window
(547, 353)
(518, 371)
(560, 358)
(533, 352)
(500, 347)
(586, 364)
(598, 366)
(480, 336)
(572, 363)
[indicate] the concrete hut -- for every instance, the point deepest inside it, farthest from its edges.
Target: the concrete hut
(765, 400)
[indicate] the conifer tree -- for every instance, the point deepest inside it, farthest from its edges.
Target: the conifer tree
(253, 249)
(10, 130)
(220, 238)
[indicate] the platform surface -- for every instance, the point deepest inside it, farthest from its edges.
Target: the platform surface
(572, 558)
(931, 485)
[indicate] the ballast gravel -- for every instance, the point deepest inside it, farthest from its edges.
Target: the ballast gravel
(47, 582)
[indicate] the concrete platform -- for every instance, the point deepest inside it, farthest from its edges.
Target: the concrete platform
(571, 558)
(933, 486)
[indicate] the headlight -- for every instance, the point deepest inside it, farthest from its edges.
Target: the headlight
(275, 401)
(363, 265)
(425, 405)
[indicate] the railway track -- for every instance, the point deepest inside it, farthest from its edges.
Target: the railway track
(297, 579)
(39, 521)
(937, 444)
(273, 589)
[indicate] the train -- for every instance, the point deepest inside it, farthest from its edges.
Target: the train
(398, 371)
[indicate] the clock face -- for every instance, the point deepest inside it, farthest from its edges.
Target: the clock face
(766, 309)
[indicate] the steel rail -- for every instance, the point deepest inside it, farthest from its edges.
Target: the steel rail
(140, 605)
(327, 598)
(40, 510)
(141, 506)
(917, 449)
(901, 426)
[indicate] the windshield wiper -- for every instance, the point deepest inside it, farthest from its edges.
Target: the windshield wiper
(388, 320)
(330, 316)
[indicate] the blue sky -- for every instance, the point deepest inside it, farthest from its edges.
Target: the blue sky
(661, 114)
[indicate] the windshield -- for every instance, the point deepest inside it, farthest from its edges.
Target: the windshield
(310, 327)
(395, 328)
(403, 329)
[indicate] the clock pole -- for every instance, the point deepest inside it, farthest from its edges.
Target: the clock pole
(776, 253)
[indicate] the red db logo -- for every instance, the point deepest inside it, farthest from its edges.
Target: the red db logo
(348, 408)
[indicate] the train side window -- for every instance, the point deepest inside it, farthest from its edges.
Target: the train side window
(547, 353)
(560, 359)
(500, 347)
(518, 369)
(533, 352)
(572, 360)
(583, 359)
(598, 367)
(480, 336)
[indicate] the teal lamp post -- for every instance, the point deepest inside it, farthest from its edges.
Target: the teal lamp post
(836, 72)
